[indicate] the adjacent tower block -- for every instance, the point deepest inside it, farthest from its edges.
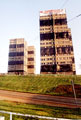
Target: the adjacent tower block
(31, 60)
(56, 49)
(19, 57)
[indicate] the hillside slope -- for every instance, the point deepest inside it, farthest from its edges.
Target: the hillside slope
(43, 84)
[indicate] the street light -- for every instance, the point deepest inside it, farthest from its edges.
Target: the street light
(74, 91)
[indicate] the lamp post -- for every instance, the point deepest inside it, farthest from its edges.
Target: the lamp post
(74, 92)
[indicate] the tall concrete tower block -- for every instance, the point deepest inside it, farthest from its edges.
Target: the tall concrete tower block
(56, 49)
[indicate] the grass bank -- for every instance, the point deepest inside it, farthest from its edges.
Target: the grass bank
(42, 110)
(42, 84)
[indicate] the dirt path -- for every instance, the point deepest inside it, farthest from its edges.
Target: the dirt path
(39, 99)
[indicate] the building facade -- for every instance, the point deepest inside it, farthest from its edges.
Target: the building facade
(56, 47)
(18, 57)
(31, 60)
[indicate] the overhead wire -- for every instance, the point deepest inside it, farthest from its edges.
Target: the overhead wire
(74, 18)
(59, 3)
(64, 3)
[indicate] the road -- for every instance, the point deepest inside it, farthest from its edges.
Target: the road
(39, 99)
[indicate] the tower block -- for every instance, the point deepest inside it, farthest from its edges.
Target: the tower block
(56, 49)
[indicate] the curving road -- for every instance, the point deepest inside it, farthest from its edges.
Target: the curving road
(40, 99)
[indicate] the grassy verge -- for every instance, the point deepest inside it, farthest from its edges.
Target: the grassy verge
(42, 110)
(43, 84)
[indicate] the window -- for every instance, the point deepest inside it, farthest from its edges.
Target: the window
(48, 68)
(46, 22)
(60, 22)
(30, 59)
(30, 52)
(47, 51)
(66, 68)
(20, 45)
(62, 35)
(30, 66)
(12, 46)
(64, 50)
(47, 36)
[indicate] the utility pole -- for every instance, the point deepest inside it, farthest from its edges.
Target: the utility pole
(74, 92)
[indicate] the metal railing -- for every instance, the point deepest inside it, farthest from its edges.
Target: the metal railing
(31, 116)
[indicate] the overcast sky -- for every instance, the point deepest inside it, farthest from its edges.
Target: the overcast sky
(20, 19)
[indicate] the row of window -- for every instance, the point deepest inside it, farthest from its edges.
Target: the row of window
(60, 50)
(46, 29)
(65, 68)
(19, 63)
(15, 62)
(19, 58)
(49, 63)
(51, 28)
(51, 22)
(53, 68)
(63, 28)
(60, 21)
(47, 36)
(15, 70)
(46, 43)
(48, 68)
(16, 45)
(52, 63)
(45, 32)
(63, 42)
(63, 58)
(59, 58)
(62, 35)
(46, 59)
(47, 51)
(46, 22)
(48, 55)
(66, 62)
(59, 35)
(13, 54)
(59, 42)
(64, 50)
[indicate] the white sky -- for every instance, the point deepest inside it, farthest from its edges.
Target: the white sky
(20, 19)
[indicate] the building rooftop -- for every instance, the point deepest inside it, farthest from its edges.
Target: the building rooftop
(50, 12)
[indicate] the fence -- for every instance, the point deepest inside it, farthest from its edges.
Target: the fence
(33, 116)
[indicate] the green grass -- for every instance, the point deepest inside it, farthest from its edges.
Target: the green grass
(43, 84)
(42, 110)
